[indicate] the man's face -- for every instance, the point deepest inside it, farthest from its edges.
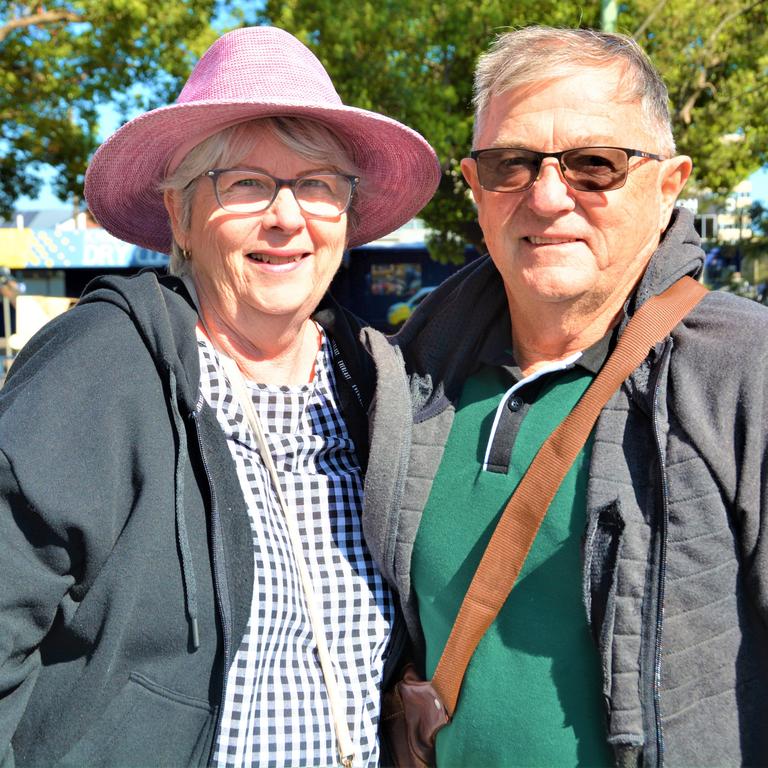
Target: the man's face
(554, 244)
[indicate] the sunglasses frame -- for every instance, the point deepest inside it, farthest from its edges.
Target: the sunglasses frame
(541, 156)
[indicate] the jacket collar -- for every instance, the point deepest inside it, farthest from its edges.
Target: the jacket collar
(454, 326)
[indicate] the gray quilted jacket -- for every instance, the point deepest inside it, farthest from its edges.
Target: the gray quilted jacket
(675, 558)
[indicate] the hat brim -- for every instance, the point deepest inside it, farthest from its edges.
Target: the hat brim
(399, 168)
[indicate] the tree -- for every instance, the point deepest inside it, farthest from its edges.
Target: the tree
(61, 62)
(758, 216)
(713, 57)
(413, 60)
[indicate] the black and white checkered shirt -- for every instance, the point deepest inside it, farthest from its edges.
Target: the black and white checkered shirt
(276, 709)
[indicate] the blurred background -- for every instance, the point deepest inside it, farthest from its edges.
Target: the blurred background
(73, 70)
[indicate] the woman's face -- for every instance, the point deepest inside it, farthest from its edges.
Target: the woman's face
(278, 262)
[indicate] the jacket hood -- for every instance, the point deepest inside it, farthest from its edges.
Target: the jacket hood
(145, 298)
(679, 254)
(442, 339)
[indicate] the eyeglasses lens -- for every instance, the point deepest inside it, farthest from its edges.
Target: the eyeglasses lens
(595, 169)
(321, 195)
(588, 169)
(507, 170)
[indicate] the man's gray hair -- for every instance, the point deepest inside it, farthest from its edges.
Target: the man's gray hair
(308, 138)
(536, 54)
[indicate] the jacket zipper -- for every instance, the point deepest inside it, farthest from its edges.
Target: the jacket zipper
(222, 601)
(398, 639)
(663, 525)
(342, 366)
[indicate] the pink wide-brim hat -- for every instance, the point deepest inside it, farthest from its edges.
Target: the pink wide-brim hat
(247, 74)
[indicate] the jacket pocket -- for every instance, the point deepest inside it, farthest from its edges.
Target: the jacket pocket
(146, 725)
(601, 556)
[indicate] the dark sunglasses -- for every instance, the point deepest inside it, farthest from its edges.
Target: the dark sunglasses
(586, 169)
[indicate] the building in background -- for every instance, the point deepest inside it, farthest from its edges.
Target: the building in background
(52, 253)
(723, 221)
(735, 256)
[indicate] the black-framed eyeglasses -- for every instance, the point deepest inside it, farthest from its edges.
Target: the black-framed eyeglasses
(585, 169)
(320, 195)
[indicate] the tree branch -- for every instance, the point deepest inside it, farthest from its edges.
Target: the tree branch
(685, 113)
(42, 17)
(648, 19)
(709, 59)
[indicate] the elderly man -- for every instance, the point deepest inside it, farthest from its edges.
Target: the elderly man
(637, 633)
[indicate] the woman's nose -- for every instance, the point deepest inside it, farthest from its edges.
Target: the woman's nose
(284, 212)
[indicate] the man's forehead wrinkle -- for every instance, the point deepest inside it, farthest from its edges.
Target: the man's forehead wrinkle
(554, 130)
(516, 131)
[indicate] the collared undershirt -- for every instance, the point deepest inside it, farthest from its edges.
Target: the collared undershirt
(532, 693)
(276, 710)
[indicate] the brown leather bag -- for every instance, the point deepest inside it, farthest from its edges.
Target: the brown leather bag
(414, 710)
(411, 716)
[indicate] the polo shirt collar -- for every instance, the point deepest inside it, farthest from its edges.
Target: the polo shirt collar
(496, 351)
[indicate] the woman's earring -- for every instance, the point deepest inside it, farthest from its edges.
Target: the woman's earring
(185, 254)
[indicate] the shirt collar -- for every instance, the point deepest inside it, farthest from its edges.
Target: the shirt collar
(497, 351)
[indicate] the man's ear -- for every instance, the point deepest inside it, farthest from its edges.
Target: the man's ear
(469, 170)
(172, 202)
(674, 174)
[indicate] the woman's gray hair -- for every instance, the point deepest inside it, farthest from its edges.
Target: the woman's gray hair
(537, 53)
(308, 138)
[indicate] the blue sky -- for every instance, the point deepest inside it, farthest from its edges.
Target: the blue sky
(760, 185)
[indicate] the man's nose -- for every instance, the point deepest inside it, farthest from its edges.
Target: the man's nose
(550, 193)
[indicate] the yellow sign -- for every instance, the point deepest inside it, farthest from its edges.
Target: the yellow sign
(17, 249)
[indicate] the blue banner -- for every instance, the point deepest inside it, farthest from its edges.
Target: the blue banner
(90, 248)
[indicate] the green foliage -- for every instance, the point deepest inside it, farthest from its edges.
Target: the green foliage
(714, 58)
(758, 216)
(411, 59)
(414, 59)
(61, 62)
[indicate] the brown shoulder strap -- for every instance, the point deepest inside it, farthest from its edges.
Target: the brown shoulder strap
(506, 552)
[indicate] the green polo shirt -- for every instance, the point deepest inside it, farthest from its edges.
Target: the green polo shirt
(532, 692)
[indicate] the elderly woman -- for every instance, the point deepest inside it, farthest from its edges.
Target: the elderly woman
(184, 575)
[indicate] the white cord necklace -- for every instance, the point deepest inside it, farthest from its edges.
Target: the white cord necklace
(345, 745)
(343, 738)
